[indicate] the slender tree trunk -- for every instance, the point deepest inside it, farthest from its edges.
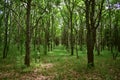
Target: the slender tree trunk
(76, 44)
(6, 15)
(81, 39)
(81, 33)
(71, 34)
(48, 34)
(35, 38)
(52, 32)
(5, 40)
(27, 43)
(101, 38)
(45, 38)
(98, 40)
(46, 42)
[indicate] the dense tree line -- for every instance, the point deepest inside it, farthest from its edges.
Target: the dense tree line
(30, 24)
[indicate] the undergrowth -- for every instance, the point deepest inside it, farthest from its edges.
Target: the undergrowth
(59, 65)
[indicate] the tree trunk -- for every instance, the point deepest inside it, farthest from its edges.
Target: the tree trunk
(98, 40)
(27, 43)
(5, 50)
(91, 35)
(91, 31)
(5, 40)
(52, 32)
(46, 42)
(71, 35)
(76, 44)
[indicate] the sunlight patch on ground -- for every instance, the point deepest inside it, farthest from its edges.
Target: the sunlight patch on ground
(36, 77)
(47, 65)
(8, 75)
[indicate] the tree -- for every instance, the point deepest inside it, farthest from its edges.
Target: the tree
(70, 4)
(92, 25)
(6, 39)
(27, 43)
(111, 34)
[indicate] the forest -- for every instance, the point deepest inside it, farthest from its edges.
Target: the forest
(59, 39)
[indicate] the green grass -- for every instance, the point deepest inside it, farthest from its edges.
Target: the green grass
(59, 65)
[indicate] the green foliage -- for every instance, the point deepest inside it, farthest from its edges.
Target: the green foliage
(59, 64)
(50, 31)
(114, 1)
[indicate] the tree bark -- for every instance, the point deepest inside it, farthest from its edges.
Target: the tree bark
(6, 15)
(91, 26)
(91, 35)
(5, 39)
(71, 34)
(91, 31)
(27, 43)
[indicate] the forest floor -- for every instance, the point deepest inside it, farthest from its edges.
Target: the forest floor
(59, 65)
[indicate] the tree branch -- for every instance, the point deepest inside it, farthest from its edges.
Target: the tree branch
(100, 14)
